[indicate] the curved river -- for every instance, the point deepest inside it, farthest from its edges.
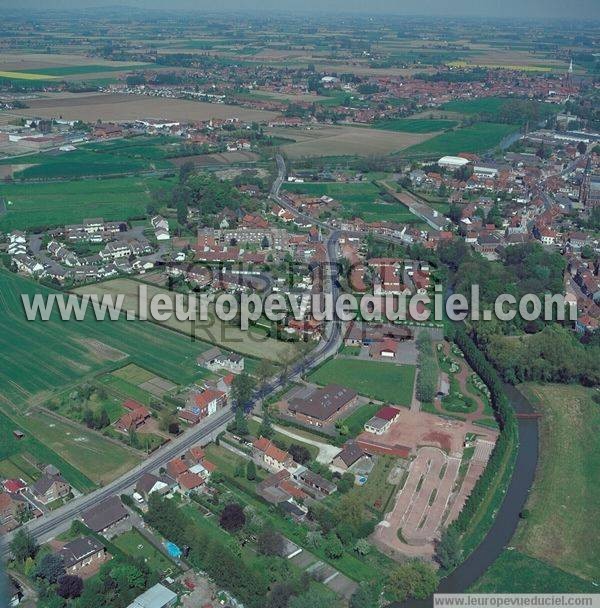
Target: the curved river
(507, 517)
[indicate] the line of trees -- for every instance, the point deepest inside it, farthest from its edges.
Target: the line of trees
(449, 550)
(427, 375)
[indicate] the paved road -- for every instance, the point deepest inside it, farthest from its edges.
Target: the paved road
(49, 525)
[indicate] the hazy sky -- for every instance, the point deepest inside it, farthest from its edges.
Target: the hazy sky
(573, 9)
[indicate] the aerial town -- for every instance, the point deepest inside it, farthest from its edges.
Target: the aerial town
(297, 462)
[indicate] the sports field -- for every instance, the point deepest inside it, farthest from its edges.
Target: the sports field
(359, 199)
(39, 357)
(36, 205)
(383, 381)
(563, 527)
(476, 138)
(407, 125)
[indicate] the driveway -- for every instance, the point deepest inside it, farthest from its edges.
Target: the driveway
(326, 452)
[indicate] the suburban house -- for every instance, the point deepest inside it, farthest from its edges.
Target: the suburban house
(279, 487)
(202, 404)
(271, 455)
(50, 486)
(232, 362)
(382, 420)
(12, 506)
(315, 484)
(105, 515)
(323, 404)
(176, 467)
(155, 597)
(188, 482)
(350, 454)
(149, 483)
(82, 553)
(134, 418)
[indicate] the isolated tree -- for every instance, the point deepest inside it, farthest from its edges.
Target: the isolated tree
(23, 545)
(103, 419)
(362, 546)
(299, 453)
(315, 597)
(264, 370)
(241, 424)
(270, 542)
(69, 586)
(88, 418)
(242, 389)
(280, 595)
(266, 428)
(251, 471)
(333, 546)
(50, 568)
(232, 517)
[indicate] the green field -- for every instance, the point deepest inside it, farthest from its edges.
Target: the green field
(416, 125)
(382, 381)
(39, 357)
(212, 330)
(563, 528)
(360, 199)
(69, 70)
(514, 572)
(25, 457)
(134, 544)
(477, 138)
(96, 457)
(475, 106)
(37, 205)
(97, 159)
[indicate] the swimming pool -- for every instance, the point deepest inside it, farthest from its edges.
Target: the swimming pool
(172, 549)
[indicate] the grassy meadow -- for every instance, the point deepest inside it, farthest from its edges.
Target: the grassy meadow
(562, 527)
(476, 138)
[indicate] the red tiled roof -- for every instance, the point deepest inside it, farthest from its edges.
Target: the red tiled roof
(209, 466)
(197, 453)
(204, 398)
(132, 405)
(387, 413)
(14, 485)
(189, 481)
(176, 467)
